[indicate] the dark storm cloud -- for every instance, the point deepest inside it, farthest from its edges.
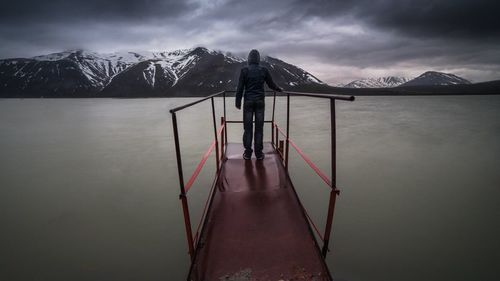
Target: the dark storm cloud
(34, 11)
(445, 18)
(336, 40)
(442, 35)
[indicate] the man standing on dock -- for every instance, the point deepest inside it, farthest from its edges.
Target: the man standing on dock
(251, 85)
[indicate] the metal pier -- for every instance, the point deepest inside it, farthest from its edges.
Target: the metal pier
(253, 225)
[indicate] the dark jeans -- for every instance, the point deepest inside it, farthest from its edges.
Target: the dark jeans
(250, 108)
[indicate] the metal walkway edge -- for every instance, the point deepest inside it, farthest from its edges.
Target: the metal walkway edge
(256, 228)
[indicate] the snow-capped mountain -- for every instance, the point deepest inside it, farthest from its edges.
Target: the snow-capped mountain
(433, 78)
(79, 73)
(382, 82)
(429, 78)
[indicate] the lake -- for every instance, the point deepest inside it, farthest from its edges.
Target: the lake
(89, 188)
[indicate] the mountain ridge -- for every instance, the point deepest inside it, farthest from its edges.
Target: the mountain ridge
(79, 73)
(434, 78)
(186, 72)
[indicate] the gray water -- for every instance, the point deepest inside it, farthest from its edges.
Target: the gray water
(89, 190)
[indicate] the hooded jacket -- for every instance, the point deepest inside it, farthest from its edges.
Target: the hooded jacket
(252, 78)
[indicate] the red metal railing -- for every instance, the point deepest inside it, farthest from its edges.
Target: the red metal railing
(284, 153)
(219, 154)
(334, 192)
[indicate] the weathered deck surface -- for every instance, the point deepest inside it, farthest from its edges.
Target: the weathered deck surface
(256, 228)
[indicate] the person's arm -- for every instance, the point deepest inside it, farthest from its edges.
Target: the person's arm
(240, 88)
(270, 82)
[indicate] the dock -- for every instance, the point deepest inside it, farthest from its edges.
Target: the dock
(253, 226)
(256, 225)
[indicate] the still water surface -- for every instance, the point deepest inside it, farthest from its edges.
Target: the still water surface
(89, 190)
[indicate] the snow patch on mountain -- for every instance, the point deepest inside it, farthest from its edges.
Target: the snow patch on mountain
(167, 71)
(381, 82)
(232, 58)
(182, 66)
(312, 78)
(149, 74)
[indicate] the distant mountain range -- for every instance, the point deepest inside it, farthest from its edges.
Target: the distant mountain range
(429, 78)
(190, 72)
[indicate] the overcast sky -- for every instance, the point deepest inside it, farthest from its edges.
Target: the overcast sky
(338, 41)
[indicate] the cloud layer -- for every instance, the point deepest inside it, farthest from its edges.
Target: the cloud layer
(336, 40)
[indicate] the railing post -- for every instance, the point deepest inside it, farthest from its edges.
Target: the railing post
(217, 156)
(334, 192)
(272, 133)
(287, 146)
(276, 135)
(272, 123)
(225, 118)
(183, 197)
(222, 142)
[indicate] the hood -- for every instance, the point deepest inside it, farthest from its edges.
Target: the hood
(253, 57)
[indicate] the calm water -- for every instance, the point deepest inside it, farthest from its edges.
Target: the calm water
(89, 191)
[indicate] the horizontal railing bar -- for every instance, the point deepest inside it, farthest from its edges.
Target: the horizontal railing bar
(199, 167)
(350, 98)
(195, 102)
(327, 96)
(240, 121)
(311, 164)
(201, 163)
(233, 91)
(324, 96)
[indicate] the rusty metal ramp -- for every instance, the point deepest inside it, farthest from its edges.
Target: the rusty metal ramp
(255, 227)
